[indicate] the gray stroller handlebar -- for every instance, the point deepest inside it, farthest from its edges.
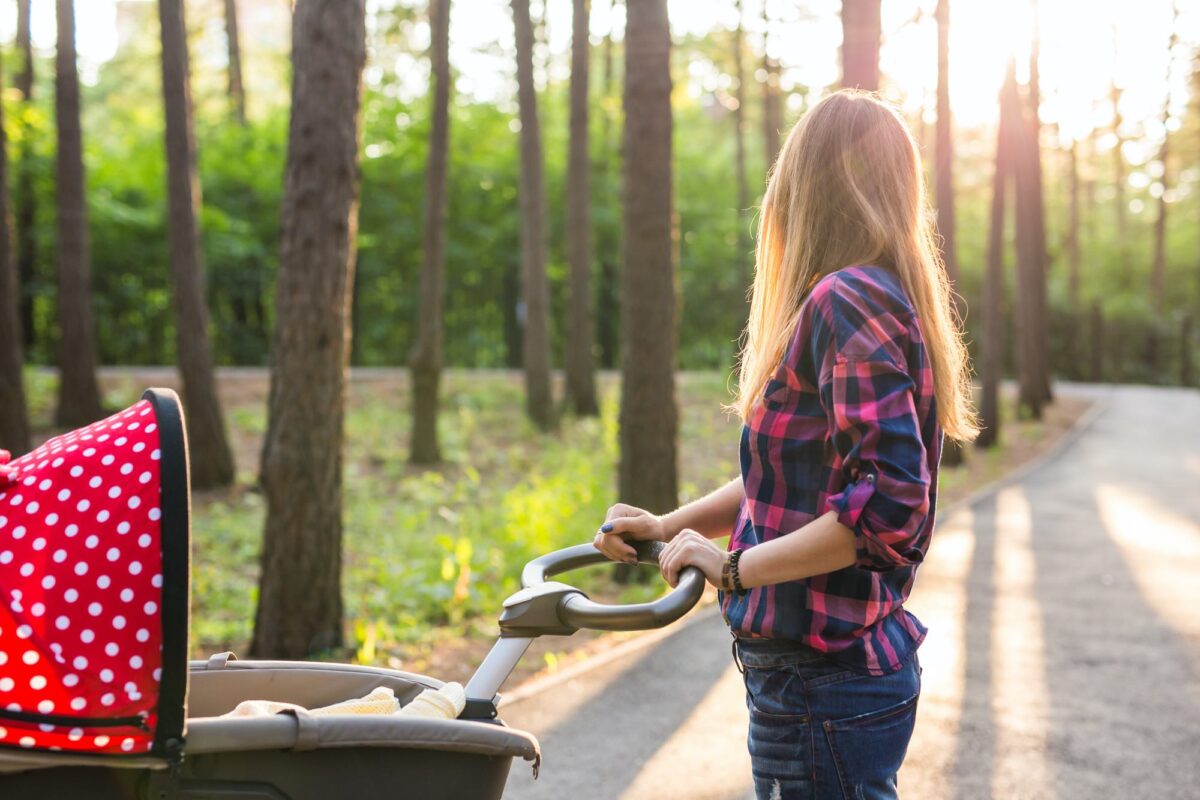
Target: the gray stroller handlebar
(579, 611)
(549, 608)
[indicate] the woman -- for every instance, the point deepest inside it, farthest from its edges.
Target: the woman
(853, 367)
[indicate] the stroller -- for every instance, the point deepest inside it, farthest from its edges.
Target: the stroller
(98, 699)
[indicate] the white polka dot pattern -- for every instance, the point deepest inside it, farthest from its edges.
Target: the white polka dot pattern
(80, 587)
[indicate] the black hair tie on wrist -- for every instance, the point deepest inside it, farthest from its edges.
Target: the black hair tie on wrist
(734, 557)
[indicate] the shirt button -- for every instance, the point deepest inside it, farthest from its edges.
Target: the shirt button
(870, 478)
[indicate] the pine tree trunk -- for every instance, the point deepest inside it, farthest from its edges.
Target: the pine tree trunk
(237, 91)
(991, 367)
(608, 311)
(953, 454)
(1040, 265)
(427, 355)
(1073, 259)
(1030, 396)
(944, 155)
(14, 419)
(535, 293)
(1158, 272)
(78, 392)
(580, 366)
(772, 102)
(300, 600)
(743, 260)
(210, 458)
(648, 416)
(26, 199)
(862, 30)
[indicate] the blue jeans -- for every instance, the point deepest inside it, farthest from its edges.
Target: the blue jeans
(819, 730)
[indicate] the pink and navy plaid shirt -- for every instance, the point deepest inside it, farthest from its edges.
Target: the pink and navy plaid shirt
(847, 423)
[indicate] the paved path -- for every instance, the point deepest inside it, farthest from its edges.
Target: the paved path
(1063, 659)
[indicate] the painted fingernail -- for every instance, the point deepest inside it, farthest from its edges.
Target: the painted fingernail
(606, 527)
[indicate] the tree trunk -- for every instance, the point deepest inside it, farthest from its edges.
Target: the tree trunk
(1114, 96)
(580, 366)
(954, 453)
(1073, 254)
(648, 416)
(772, 101)
(1073, 259)
(427, 355)
(1158, 272)
(1040, 264)
(1185, 351)
(608, 292)
(862, 31)
(26, 199)
(743, 260)
(944, 156)
(1027, 251)
(535, 286)
(14, 419)
(211, 460)
(237, 92)
(78, 393)
(300, 600)
(992, 358)
(1096, 334)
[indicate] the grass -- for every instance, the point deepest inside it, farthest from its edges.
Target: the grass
(430, 554)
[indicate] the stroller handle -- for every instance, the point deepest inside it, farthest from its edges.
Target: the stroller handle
(578, 611)
(548, 608)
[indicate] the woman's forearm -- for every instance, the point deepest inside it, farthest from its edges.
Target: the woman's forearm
(822, 546)
(712, 515)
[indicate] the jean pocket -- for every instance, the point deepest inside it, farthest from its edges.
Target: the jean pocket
(775, 695)
(868, 749)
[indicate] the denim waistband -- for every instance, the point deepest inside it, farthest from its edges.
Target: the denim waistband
(772, 652)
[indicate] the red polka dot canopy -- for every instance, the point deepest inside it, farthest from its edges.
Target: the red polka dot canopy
(94, 587)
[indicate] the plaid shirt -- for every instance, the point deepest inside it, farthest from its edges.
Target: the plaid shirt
(847, 423)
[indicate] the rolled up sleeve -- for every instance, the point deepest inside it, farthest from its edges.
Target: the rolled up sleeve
(875, 433)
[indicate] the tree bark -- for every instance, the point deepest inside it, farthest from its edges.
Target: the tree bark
(535, 293)
(862, 30)
(992, 358)
(772, 101)
(1158, 272)
(426, 360)
(954, 453)
(1040, 265)
(1073, 259)
(1114, 96)
(78, 392)
(944, 156)
(743, 262)
(580, 367)
(26, 199)
(14, 418)
(210, 458)
(237, 91)
(300, 601)
(608, 291)
(648, 416)
(1027, 252)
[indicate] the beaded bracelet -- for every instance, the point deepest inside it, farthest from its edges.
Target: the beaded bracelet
(734, 557)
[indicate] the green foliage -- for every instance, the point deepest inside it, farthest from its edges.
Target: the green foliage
(441, 548)
(242, 171)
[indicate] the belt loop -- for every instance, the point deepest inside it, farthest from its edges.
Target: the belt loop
(737, 661)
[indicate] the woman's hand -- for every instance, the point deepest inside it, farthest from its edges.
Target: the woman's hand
(627, 522)
(691, 549)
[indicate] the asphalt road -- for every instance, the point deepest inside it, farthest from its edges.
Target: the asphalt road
(1063, 659)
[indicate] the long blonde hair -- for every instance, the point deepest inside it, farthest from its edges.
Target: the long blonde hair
(847, 189)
